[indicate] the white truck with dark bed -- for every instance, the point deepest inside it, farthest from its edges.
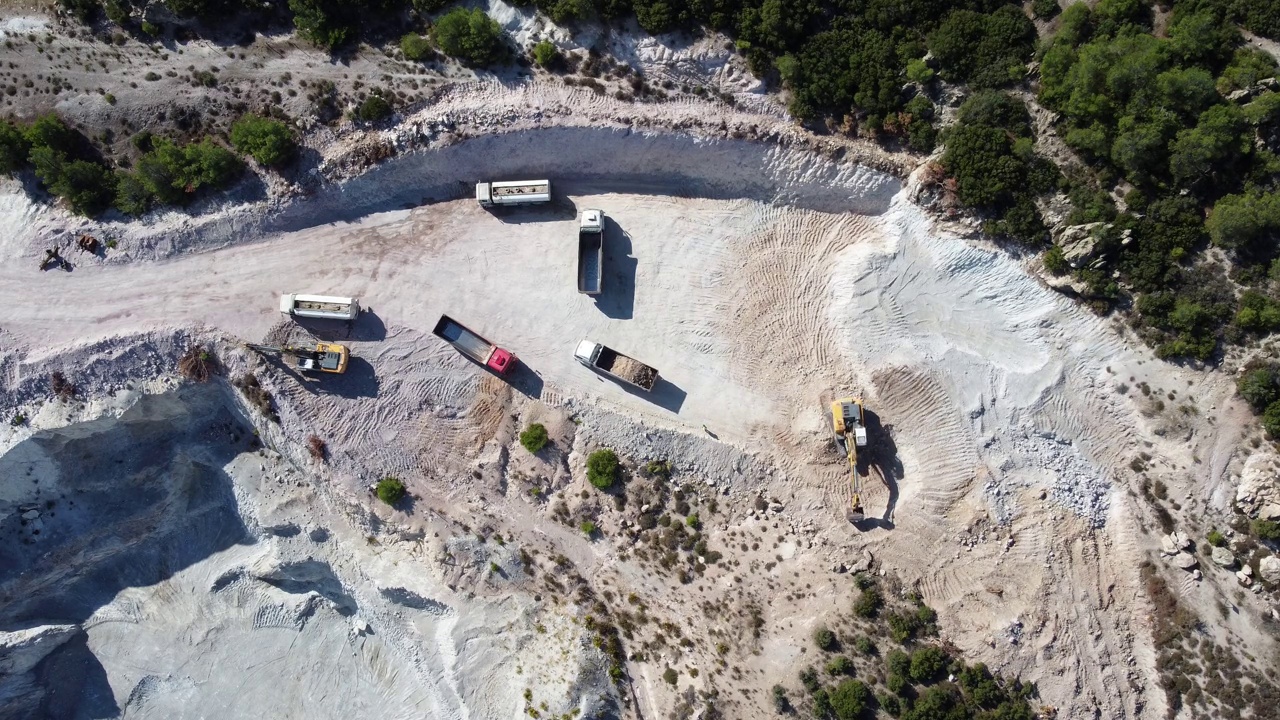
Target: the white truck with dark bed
(591, 252)
(616, 365)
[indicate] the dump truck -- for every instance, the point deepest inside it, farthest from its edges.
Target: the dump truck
(324, 357)
(513, 192)
(591, 252)
(328, 307)
(850, 430)
(473, 346)
(616, 365)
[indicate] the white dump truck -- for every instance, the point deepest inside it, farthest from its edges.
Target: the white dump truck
(513, 192)
(320, 306)
(591, 252)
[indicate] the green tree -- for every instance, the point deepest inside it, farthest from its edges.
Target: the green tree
(267, 140)
(1265, 529)
(132, 195)
(1243, 222)
(1202, 38)
(415, 47)
(49, 131)
(14, 147)
(1259, 387)
(927, 663)
(1216, 142)
(534, 437)
(546, 54)
(1271, 419)
(602, 468)
(824, 638)
(326, 23)
(390, 490)
(374, 108)
(849, 699)
(470, 36)
(868, 603)
(1248, 67)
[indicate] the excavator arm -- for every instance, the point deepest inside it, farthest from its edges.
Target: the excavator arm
(847, 424)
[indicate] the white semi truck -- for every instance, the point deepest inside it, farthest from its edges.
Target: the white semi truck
(513, 192)
(616, 365)
(327, 307)
(591, 252)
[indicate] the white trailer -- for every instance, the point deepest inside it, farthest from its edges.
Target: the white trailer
(513, 192)
(320, 306)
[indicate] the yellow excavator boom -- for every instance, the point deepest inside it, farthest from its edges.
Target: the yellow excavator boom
(850, 431)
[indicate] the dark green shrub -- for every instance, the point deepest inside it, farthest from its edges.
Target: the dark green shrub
(14, 147)
(534, 437)
(1055, 262)
(1216, 538)
(868, 603)
(416, 48)
(1265, 529)
(374, 108)
(865, 645)
(470, 36)
(839, 665)
(1045, 9)
(390, 490)
(546, 54)
(1259, 387)
(1271, 419)
(824, 639)
(849, 699)
(268, 141)
(926, 663)
(602, 468)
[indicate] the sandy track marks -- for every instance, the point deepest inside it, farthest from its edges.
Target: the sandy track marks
(930, 432)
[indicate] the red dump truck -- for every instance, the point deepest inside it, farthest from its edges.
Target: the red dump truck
(473, 346)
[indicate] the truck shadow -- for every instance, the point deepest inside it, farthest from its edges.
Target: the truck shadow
(524, 380)
(664, 394)
(617, 299)
(560, 208)
(367, 327)
(881, 454)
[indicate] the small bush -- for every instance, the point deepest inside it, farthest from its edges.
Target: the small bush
(390, 490)
(198, 364)
(670, 675)
(317, 447)
(849, 699)
(868, 603)
(588, 528)
(534, 437)
(257, 396)
(374, 108)
(602, 468)
(865, 645)
(546, 54)
(62, 388)
(268, 141)
(926, 663)
(839, 665)
(1216, 538)
(1045, 9)
(416, 48)
(1055, 261)
(824, 639)
(1265, 529)
(693, 521)
(781, 704)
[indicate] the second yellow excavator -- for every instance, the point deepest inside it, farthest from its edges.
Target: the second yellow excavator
(850, 430)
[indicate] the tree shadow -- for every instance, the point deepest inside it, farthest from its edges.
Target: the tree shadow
(617, 298)
(79, 683)
(882, 454)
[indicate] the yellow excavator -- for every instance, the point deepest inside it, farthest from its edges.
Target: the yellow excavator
(325, 357)
(850, 429)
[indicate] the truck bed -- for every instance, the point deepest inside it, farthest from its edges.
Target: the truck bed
(474, 346)
(590, 255)
(626, 368)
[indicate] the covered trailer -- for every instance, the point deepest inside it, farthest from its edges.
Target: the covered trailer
(513, 192)
(320, 306)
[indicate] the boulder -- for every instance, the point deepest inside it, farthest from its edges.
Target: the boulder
(1222, 557)
(1186, 561)
(1258, 494)
(22, 650)
(1269, 570)
(1077, 243)
(1243, 579)
(1168, 546)
(1180, 540)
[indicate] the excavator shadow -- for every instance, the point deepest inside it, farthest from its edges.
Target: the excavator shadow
(880, 457)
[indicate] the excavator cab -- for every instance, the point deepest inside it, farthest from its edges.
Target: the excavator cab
(850, 431)
(327, 358)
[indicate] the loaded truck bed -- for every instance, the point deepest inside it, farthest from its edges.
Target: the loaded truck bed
(616, 365)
